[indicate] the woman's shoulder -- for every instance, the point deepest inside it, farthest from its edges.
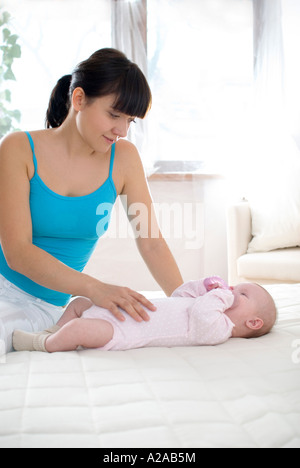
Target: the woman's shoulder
(128, 166)
(16, 151)
(15, 139)
(14, 146)
(127, 155)
(17, 144)
(126, 148)
(129, 158)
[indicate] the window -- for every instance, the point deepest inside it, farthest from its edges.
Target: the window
(200, 65)
(201, 73)
(291, 34)
(54, 36)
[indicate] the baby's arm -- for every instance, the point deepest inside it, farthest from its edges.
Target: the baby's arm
(215, 282)
(194, 288)
(207, 319)
(198, 288)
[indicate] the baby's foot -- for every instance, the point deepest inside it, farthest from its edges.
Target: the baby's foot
(24, 341)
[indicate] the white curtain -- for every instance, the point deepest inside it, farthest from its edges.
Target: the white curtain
(276, 64)
(268, 56)
(291, 36)
(129, 34)
(269, 146)
(275, 84)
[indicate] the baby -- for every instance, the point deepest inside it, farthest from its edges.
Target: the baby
(204, 312)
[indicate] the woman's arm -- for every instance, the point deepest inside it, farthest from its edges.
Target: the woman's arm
(33, 262)
(161, 264)
(149, 239)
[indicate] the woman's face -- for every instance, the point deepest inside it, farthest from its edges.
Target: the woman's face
(98, 123)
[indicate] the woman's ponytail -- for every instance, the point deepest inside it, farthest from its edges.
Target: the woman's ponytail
(59, 103)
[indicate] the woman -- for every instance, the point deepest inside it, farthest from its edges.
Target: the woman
(52, 183)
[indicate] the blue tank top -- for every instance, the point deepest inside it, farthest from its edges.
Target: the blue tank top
(68, 228)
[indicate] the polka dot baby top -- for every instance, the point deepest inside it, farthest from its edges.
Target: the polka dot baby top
(191, 317)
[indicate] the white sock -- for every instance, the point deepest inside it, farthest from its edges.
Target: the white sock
(24, 341)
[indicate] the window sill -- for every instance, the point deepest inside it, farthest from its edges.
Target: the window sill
(181, 171)
(179, 177)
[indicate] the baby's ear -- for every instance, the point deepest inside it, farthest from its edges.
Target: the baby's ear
(255, 324)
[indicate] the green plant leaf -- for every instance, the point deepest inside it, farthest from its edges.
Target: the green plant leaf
(9, 51)
(16, 51)
(8, 75)
(5, 34)
(4, 18)
(6, 95)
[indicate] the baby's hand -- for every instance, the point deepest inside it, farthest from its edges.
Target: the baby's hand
(210, 287)
(215, 282)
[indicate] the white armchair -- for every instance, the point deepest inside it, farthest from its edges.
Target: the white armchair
(277, 266)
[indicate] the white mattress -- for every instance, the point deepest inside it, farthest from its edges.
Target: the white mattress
(245, 393)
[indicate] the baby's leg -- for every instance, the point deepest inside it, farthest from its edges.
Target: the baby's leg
(24, 341)
(74, 310)
(88, 333)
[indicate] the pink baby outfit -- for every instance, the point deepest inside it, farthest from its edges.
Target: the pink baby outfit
(191, 317)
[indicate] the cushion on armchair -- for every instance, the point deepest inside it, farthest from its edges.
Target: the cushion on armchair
(275, 226)
(276, 211)
(279, 265)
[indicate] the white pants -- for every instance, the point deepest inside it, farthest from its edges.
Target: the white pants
(19, 310)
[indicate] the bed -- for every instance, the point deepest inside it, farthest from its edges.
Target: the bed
(244, 393)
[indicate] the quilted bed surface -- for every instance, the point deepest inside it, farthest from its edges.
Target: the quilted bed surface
(244, 393)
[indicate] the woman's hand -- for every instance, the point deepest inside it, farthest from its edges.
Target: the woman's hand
(114, 297)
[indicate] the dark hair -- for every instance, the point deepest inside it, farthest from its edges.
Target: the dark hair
(107, 71)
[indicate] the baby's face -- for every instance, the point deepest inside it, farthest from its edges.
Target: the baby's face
(248, 301)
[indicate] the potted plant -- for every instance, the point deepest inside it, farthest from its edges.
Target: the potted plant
(9, 51)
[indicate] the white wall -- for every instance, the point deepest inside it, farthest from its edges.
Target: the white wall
(199, 205)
